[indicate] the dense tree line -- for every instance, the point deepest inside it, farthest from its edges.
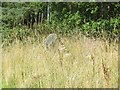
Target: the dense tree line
(93, 18)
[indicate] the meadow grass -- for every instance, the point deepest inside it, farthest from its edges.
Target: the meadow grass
(90, 64)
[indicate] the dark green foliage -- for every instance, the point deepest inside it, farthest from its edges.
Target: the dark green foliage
(9, 35)
(98, 20)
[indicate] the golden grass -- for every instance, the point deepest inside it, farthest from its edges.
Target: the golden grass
(91, 64)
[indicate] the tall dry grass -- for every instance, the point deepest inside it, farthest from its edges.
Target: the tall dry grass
(87, 64)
